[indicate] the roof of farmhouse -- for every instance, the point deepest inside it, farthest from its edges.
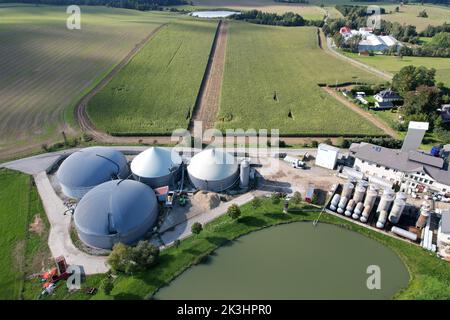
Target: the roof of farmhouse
(410, 161)
(445, 224)
(388, 94)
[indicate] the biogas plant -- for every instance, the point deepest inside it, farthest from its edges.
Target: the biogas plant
(116, 198)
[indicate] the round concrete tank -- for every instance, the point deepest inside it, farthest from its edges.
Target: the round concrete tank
(347, 190)
(349, 208)
(244, 174)
(89, 167)
(335, 202)
(358, 210)
(382, 219)
(341, 205)
(397, 210)
(359, 193)
(213, 170)
(386, 200)
(156, 167)
(116, 211)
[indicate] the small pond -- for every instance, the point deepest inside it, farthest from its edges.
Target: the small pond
(213, 14)
(292, 261)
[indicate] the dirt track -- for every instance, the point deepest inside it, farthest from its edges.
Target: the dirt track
(208, 101)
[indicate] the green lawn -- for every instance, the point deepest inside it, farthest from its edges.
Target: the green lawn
(155, 93)
(23, 252)
(393, 64)
(429, 276)
(262, 60)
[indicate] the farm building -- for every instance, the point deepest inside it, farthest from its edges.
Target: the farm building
(327, 156)
(383, 105)
(89, 167)
(156, 167)
(387, 96)
(213, 170)
(375, 43)
(444, 229)
(116, 211)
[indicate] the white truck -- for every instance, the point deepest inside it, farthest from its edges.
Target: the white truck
(295, 162)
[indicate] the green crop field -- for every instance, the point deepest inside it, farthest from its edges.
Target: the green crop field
(23, 252)
(45, 67)
(262, 60)
(409, 15)
(155, 93)
(393, 64)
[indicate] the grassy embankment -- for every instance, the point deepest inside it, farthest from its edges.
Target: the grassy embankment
(23, 251)
(155, 93)
(430, 277)
(271, 80)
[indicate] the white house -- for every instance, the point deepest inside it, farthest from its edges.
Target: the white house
(327, 156)
(409, 170)
(387, 96)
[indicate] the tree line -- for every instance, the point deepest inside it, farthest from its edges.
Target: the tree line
(288, 19)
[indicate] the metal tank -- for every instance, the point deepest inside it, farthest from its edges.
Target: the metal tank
(397, 210)
(360, 190)
(358, 210)
(341, 205)
(350, 207)
(335, 202)
(369, 201)
(347, 190)
(386, 200)
(424, 214)
(404, 233)
(365, 214)
(244, 174)
(382, 219)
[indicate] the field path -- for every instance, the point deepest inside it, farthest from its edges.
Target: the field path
(80, 110)
(368, 116)
(207, 104)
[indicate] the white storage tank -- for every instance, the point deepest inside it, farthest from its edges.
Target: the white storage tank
(213, 170)
(341, 205)
(156, 167)
(244, 174)
(334, 202)
(358, 210)
(386, 200)
(404, 233)
(360, 190)
(382, 219)
(347, 190)
(424, 214)
(397, 210)
(365, 214)
(349, 208)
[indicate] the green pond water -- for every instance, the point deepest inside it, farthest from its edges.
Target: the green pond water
(292, 261)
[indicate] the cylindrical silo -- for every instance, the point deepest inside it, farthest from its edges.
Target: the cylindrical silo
(404, 233)
(386, 200)
(360, 190)
(358, 210)
(397, 210)
(371, 196)
(347, 190)
(335, 202)
(244, 174)
(341, 205)
(424, 214)
(401, 195)
(365, 214)
(349, 208)
(382, 219)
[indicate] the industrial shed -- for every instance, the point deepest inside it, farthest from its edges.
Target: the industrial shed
(213, 170)
(116, 211)
(89, 167)
(156, 167)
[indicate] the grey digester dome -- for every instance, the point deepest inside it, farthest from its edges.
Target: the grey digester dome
(156, 167)
(213, 170)
(89, 167)
(116, 211)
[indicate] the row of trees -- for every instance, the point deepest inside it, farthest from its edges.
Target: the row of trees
(288, 19)
(127, 4)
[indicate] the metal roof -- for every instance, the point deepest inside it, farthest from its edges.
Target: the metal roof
(116, 207)
(445, 223)
(91, 166)
(212, 165)
(155, 162)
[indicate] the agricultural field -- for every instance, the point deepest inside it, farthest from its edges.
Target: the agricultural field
(393, 64)
(24, 229)
(45, 68)
(306, 11)
(409, 15)
(156, 92)
(271, 81)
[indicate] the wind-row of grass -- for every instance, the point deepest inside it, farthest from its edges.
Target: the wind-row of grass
(429, 275)
(22, 251)
(156, 92)
(271, 81)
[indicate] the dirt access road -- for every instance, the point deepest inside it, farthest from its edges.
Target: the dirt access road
(207, 104)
